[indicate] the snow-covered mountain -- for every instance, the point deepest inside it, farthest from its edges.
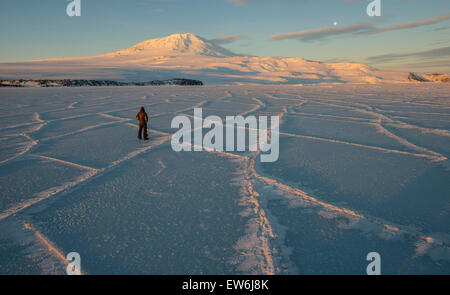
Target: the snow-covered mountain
(189, 56)
(444, 78)
(176, 44)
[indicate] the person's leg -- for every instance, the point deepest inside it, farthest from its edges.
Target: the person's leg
(140, 132)
(145, 131)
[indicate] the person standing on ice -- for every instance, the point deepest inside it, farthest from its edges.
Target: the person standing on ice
(143, 119)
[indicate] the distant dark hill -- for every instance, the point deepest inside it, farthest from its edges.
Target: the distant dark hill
(84, 83)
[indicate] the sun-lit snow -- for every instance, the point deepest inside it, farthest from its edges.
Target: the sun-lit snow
(362, 168)
(187, 44)
(192, 57)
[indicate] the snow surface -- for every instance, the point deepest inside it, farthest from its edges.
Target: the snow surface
(189, 56)
(361, 169)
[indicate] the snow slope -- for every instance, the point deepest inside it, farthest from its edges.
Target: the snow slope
(190, 56)
(361, 169)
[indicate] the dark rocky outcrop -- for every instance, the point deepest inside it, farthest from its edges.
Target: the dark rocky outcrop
(97, 83)
(416, 78)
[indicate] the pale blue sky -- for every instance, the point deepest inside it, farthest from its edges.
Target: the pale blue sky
(32, 29)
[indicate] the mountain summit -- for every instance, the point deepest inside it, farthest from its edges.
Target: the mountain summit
(175, 44)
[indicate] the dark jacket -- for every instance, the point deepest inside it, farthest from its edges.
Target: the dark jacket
(142, 117)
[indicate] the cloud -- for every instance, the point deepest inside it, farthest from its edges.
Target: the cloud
(322, 33)
(441, 29)
(227, 39)
(426, 54)
(433, 64)
(356, 29)
(441, 42)
(420, 23)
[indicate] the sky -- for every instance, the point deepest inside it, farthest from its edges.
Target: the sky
(409, 35)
